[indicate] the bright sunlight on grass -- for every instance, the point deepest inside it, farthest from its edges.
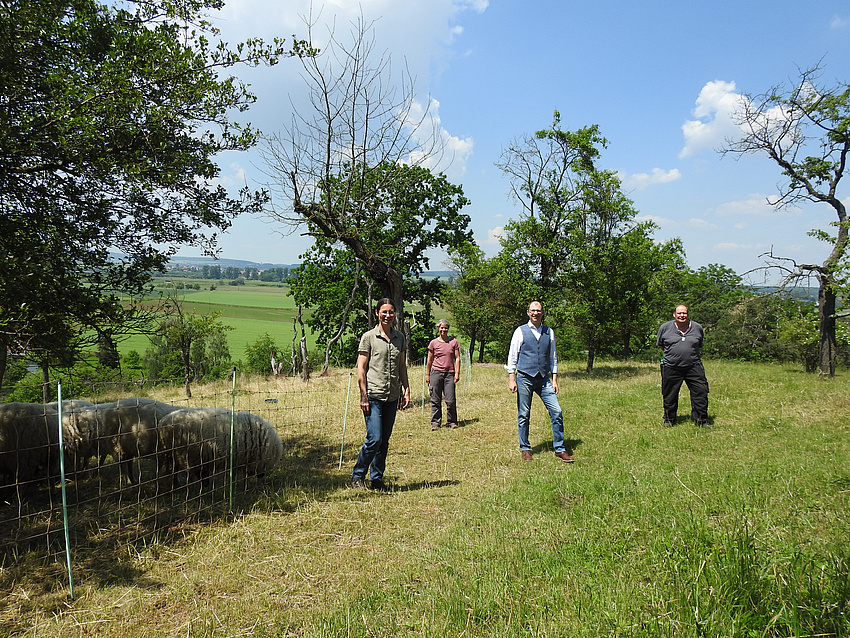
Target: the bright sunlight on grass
(737, 531)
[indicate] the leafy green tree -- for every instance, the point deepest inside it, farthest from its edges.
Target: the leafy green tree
(751, 330)
(805, 130)
(389, 217)
(112, 117)
(800, 333)
(258, 354)
(488, 298)
(183, 339)
(711, 293)
(596, 267)
(331, 283)
(546, 173)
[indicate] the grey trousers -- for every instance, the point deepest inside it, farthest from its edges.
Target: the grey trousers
(442, 384)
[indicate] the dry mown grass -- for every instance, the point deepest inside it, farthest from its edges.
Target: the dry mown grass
(305, 547)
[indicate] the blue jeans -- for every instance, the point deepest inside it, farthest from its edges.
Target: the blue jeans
(379, 428)
(525, 388)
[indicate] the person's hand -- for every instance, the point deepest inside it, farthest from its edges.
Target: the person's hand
(364, 405)
(512, 384)
(404, 400)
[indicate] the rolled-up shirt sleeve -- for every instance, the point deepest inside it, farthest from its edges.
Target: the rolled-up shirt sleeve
(553, 356)
(513, 351)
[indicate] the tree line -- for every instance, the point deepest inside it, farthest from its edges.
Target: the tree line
(114, 115)
(249, 273)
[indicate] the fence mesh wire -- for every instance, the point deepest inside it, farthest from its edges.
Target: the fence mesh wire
(106, 511)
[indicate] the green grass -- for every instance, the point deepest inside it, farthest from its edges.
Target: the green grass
(737, 531)
(250, 311)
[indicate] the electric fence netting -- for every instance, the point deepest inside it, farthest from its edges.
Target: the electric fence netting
(135, 467)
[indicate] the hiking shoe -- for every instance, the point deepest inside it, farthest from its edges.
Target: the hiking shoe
(526, 455)
(357, 484)
(379, 486)
(668, 423)
(566, 458)
(434, 428)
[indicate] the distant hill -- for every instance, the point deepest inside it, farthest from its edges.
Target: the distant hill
(180, 260)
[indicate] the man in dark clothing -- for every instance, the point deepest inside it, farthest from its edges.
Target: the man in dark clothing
(681, 340)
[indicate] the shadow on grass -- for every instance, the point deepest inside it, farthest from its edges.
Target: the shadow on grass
(424, 485)
(549, 446)
(606, 371)
(110, 525)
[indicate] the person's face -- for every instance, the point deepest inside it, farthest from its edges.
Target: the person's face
(386, 314)
(681, 314)
(444, 330)
(535, 313)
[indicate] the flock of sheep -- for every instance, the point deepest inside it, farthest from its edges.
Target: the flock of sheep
(193, 441)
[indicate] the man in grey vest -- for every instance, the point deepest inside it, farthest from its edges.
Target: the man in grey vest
(531, 358)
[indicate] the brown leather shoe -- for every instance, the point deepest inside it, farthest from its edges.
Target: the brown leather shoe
(526, 455)
(566, 458)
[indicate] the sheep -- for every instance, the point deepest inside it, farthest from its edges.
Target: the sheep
(200, 441)
(133, 427)
(86, 434)
(29, 442)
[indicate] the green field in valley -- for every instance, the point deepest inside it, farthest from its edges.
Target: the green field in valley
(250, 310)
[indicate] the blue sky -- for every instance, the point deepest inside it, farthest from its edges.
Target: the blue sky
(658, 78)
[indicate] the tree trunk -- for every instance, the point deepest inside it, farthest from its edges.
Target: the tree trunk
(826, 319)
(627, 345)
(591, 356)
(4, 359)
(45, 381)
(472, 335)
(392, 288)
(481, 351)
(187, 370)
(305, 362)
(294, 365)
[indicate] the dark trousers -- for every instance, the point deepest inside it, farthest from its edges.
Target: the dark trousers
(442, 384)
(671, 382)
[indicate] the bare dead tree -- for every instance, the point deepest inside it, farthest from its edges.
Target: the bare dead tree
(806, 132)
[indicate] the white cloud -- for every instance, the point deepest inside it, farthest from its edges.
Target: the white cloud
(427, 130)
(729, 247)
(702, 224)
(639, 181)
(715, 106)
(839, 22)
(494, 235)
(754, 205)
(655, 219)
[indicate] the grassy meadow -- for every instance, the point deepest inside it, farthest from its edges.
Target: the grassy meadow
(741, 530)
(250, 310)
